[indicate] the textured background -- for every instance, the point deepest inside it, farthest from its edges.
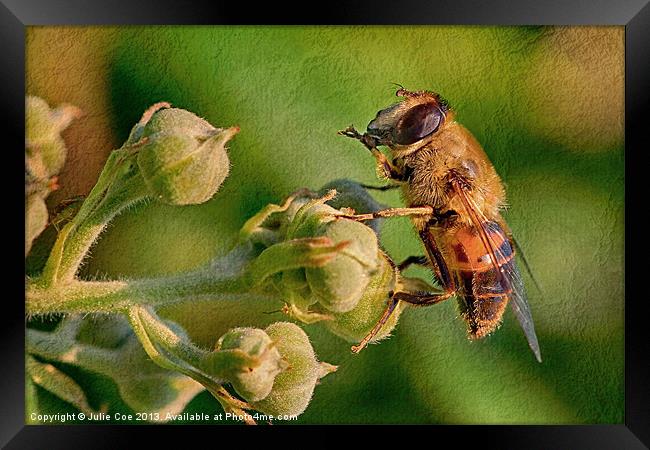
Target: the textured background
(547, 105)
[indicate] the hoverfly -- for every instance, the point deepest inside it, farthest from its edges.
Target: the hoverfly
(454, 198)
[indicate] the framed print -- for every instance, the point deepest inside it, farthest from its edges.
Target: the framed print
(419, 215)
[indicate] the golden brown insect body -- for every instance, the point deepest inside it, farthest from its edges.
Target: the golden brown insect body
(454, 154)
(454, 197)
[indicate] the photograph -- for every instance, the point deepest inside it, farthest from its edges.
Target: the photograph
(301, 224)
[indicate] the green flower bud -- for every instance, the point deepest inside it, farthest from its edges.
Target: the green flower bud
(310, 219)
(338, 280)
(357, 323)
(182, 157)
(269, 226)
(45, 150)
(294, 387)
(340, 283)
(253, 383)
(35, 219)
(145, 386)
(295, 281)
(345, 254)
(137, 131)
(350, 194)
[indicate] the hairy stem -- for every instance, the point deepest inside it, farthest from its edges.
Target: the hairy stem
(170, 351)
(226, 277)
(241, 273)
(117, 188)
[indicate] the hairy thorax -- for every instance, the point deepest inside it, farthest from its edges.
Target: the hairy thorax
(453, 154)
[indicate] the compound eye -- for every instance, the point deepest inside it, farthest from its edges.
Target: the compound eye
(417, 123)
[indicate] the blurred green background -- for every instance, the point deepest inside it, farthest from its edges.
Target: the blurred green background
(545, 102)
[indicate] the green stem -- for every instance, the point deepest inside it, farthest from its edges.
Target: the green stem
(117, 188)
(225, 278)
(86, 233)
(241, 273)
(50, 272)
(164, 346)
(170, 351)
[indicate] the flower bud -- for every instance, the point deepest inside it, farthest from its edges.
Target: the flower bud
(182, 157)
(45, 150)
(357, 323)
(340, 283)
(293, 387)
(332, 282)
(145, 386)
(350, 194)
(337, 284)
(253, 383)
(295, 281)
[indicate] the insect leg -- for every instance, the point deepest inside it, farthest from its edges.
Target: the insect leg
(412, 298)
(417, 299)
(386, 167)
(439, 264)
(383, 164)
(392, 304)
(423, 299)
(391, 212)
(442, 272)
(380, 188)
(419, 260)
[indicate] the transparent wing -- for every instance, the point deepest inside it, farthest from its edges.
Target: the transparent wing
(509, 274)
(521, 308)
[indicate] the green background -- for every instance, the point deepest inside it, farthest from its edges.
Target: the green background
(547, 105)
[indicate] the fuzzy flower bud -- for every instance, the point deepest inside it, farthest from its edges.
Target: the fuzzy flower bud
(354, 325)
(253, 383)
(350, 194)
(44, 148)
(293, 387)
(339, 284)
(346, 281)
(182, 157)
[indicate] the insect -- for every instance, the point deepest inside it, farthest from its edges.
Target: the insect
(454, 197)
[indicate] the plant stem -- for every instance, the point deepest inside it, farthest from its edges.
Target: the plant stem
(117, 188)
(170, 351)
(166, 349)
(241, 273)
(220, 279)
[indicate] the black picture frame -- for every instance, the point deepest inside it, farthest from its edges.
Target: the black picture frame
(15, 15)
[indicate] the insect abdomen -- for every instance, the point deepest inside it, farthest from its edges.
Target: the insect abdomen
(483, 293)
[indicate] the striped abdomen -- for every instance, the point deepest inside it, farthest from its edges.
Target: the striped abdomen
(483, 287)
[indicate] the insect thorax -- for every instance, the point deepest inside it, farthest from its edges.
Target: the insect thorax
(428, 178)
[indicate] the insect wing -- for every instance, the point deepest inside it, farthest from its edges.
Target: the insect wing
(521, 309)
(509, 274)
